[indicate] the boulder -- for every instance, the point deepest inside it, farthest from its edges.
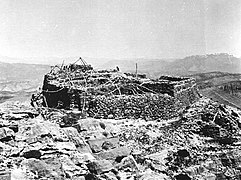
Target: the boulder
(150, 175)
(194, 170)
(109, 176)
(98, 145)
(5, 174)
(32, 154)
(158, 160)
(4, 123)
(159, 156)
(211, 130)
(38, 128)
(110, 143)
(182, 177)
(54, 165)
(80, 158)
(70, 169)
(207, 176)
(6, 149)
(114, 154)
(183, 153)
(71, 118)
(15, 116)
(73, 136)
(6, 134)
(95, 145)
(18, 173)
(90, 125)
(39, 168)
(92, 128)
(99, 166)
(128, 162)
(65, 146)
(14, 126)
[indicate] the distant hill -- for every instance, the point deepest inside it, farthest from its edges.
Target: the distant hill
(20, 79)
(22, 72)
(190, 65)
(207, 63)
(153, 67)
(95, 62)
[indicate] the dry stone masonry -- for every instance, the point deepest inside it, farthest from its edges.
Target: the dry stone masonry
(112, 94)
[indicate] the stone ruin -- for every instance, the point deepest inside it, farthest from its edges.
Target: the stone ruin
(113, 94)
(204, 143)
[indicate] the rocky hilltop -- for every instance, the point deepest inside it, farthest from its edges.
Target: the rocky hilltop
(202, 143)
(63, 140)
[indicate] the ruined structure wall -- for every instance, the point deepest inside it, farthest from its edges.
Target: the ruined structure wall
(54, 94)
(146, 106)
(184, 85)
(57, 95)
(186, 96)
(176, 97)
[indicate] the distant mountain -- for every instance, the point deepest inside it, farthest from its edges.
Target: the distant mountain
(182, 67)
(207, 63)
(20, 79)
(96, 62)
(22, 72)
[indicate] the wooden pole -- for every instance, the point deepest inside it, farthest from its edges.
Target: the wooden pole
(62, 65)
(136, 69)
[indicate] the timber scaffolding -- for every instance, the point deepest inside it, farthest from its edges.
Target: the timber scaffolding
(113, 94)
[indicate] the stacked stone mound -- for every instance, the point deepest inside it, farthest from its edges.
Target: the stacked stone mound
(111, 94)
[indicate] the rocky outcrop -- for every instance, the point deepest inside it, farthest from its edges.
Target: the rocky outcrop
(202, 143)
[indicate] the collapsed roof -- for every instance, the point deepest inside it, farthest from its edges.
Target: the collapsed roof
(111, 92)
(107, 82)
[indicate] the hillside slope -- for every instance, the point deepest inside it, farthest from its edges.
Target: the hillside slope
(222, 87)
(18, 79)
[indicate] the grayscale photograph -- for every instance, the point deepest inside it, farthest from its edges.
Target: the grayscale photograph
(120, 90)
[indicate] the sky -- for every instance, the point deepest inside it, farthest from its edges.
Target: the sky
(119, 28)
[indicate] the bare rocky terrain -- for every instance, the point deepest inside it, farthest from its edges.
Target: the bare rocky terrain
(202, 143)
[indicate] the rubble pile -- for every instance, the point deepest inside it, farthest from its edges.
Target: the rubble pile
(180, 148)
(112, 94)
(60, 144)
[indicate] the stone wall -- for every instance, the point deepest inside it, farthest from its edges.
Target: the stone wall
(185, 93)
(165, 99)
(146, 106)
